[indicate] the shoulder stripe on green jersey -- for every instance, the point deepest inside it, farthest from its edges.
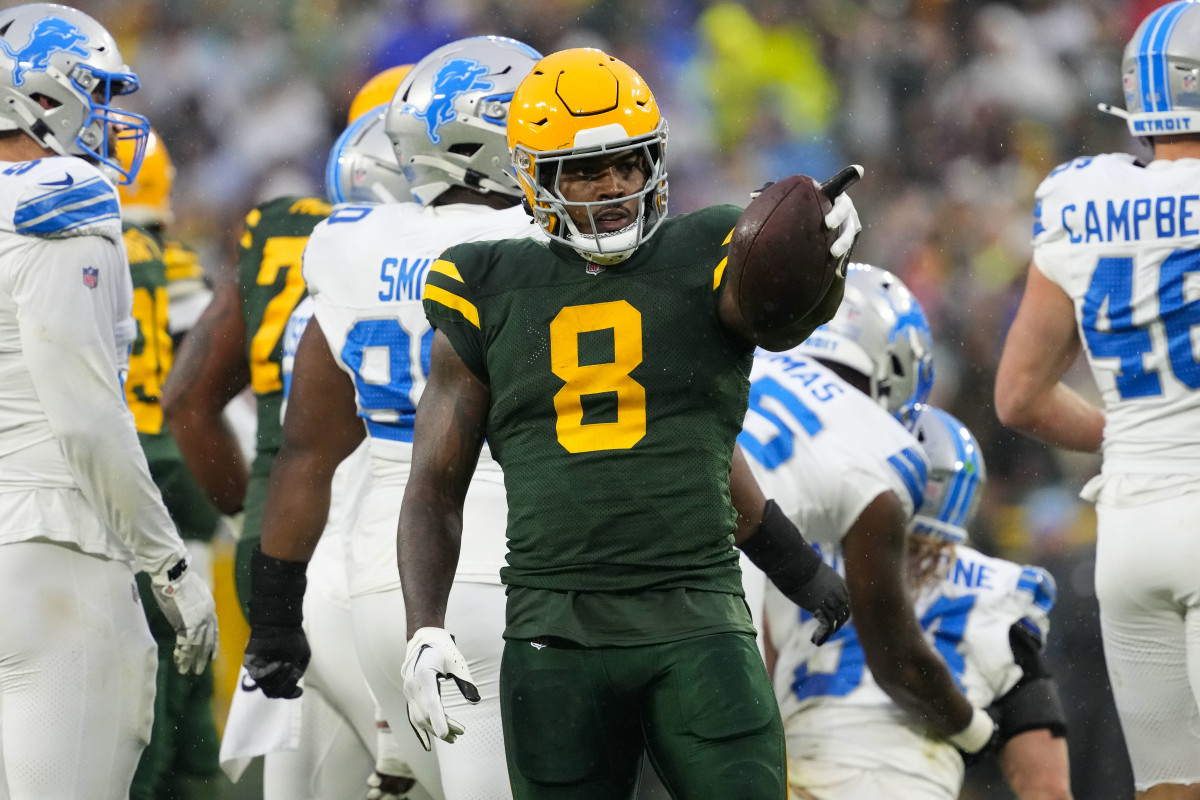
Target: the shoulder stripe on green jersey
(448, 298)
(720, 270)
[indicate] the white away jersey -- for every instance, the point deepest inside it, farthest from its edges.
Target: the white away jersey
(1123, 241)
(824, 450)
(71, 468)
(365, 268)
(834, 713)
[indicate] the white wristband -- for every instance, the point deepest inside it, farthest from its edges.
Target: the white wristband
(976, 735)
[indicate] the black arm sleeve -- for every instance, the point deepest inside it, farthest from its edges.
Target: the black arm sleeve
(1033, 703)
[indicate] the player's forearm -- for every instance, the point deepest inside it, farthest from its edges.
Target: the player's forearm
(917, 680)
(1036, 766)
(1060, 417)
(427, 548)
(212, 453)
(297, 505)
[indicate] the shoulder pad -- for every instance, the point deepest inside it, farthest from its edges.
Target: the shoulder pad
(140, 246)
(58, 197)
(1064, 174)
(1040, 586)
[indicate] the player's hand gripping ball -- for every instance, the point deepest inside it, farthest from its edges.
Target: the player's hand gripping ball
(788, 256)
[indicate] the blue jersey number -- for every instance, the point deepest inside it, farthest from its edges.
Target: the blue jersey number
(395, 395)
(946, 619)
(778, 448)
(1112, 284)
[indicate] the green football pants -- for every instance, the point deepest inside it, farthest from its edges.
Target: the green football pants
(577, 720)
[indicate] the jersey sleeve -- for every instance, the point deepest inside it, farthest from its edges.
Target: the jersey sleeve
(451, 306)
(724, 220)
(58, 198)
(68, 293)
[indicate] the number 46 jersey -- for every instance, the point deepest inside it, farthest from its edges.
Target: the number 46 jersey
(365, 268)
(1123, 241)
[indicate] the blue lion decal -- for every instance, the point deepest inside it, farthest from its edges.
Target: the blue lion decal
(50, 35)
(452, 80)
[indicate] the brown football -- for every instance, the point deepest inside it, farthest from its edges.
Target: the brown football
(783, 280)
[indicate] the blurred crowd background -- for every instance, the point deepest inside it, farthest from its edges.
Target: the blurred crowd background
(956, 108)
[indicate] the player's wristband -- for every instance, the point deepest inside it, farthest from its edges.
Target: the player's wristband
(779, 549)
(277, 590)
(977, 734)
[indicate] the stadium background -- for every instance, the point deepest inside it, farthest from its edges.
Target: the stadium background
(957, 109)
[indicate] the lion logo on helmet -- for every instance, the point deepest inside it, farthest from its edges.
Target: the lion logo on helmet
(50, 35)
(455, 78)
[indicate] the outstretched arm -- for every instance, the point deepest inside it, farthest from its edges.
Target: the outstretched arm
(448, 436)
(1041, 345)
(210, 369)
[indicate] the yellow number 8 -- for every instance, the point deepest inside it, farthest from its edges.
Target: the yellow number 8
(625, 321)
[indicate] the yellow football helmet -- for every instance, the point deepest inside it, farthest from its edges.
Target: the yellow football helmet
(377, 91)
(582, 103)
(147, 199)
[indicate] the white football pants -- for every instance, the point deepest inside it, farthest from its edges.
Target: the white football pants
(77, 674)
(473, 767)
(1148, 585)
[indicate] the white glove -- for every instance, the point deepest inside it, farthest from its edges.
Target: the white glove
(392, 778)
(187, 604)
(431, 657)
(843, 218)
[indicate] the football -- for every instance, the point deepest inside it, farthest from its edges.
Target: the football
(783, 280)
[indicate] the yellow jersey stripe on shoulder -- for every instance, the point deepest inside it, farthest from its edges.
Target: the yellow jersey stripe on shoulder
(728, 238)
(448, 269)
(450, 300)
(719, 271)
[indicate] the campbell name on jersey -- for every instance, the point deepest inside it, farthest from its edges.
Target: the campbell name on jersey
(1123, 241)
(824, 450)
(366, 268)
(616, 396)
(835, 713)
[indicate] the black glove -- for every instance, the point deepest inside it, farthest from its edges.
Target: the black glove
(277, 653)
(827, 598)
(778, 548)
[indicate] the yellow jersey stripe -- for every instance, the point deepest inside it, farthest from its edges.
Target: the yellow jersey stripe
(448, 269)
(728, 238)
(459, 304)
(719, 271)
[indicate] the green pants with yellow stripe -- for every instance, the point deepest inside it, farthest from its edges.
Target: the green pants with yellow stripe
(577, 720)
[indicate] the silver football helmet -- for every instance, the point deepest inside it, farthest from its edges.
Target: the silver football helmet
(447, 120)
(362, 165)
(1160, 73)
(63, 55)
(880, 331)
(957, 476)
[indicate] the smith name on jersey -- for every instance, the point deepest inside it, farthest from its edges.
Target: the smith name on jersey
(1122, 239)
(366, 268)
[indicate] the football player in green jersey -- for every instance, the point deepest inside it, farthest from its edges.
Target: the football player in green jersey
(611, 386)
(181, 758)
(237, 342)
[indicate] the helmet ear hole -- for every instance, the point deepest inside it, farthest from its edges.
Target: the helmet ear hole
(466, 149)
(897, 365)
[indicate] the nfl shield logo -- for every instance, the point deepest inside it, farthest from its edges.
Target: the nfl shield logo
(594, 269)
(91, 277)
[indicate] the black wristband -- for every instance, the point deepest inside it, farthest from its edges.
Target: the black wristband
(1031, 705)
(779, 549)
(277, 591)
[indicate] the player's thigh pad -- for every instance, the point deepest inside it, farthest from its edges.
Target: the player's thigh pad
(712, 725)
(571, 728)
(1149, 596)
(77, 674)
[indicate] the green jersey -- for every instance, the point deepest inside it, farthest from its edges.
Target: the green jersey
(616, 399)
(271, 286)
(151, 354)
